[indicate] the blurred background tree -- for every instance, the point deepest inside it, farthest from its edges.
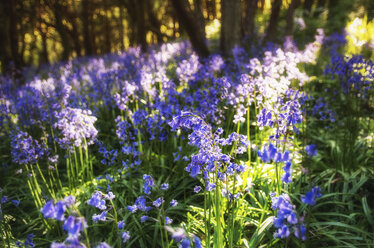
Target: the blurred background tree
(37, 32)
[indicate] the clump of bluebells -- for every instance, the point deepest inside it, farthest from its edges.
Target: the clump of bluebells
(144, 93)
(311, 196)
(73, 224)
(25, 149)
(271, 154)
(144, 203)
(183, 239)
(355, 75)
(98, 200)
(76, 127)
(286, 220)
(210, 160)
(28, 241)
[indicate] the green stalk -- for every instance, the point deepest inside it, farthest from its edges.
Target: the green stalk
(139, 135)
(218, 213)
(56, 165)
(45, 181)
(36, 195)
(206, 223)
(76, 163)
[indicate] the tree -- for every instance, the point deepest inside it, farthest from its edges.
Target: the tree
(338, 15)
(290, 16)
(191, 25)
(230, 25)
(308, 6)
(248, 23)
(273, 22)
(88, 37)
(5, 54)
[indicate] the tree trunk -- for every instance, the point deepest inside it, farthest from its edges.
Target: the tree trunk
(290, 17)
(141, 31)
(5, 54)
(248, 24)
(188, 21)
(230, 25)
(273, 22)
(262, 6)
(87, 35)
(338, 15)
(13, 34)
(121, 28)
(107, 32)
(211, 9)
(308, 6)
(319, 9)
(370, 10)
(199, 14)
(62, 30)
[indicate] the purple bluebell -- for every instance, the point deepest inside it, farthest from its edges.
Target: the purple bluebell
(148, 184)
(197, 189)
(103, 245)
(157, 203)
(310, 196)
(168, 221)
(125, 236)
(101, 217)
(164, 186)
(25, 150)
(311, 150)
(97, 201)
(144, 218)
(76, 127)
(121, 224)
(173, 203)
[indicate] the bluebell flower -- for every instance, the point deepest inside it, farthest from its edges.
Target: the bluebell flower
(97, 201)
(310, 196)
(197, 242)
(168, 221)
(25, 150)
(110, 196)
(286, 177)
(132, 208)
(4, 199)
(164, 186)
(103, 245)
(311, 150)
(286, 216)
(140, 203)
(148, 184)
(210, 186)
(282, 232)
(125, 236)
(144, 218)
(76, 126)
(58, 245)
(197, 189)
(97, 217)
(74, 226)
(121, 224)
(52, 211)
(177, 234)
(300, 232)
(157, 203)
(173, 203)
(185, 243)
(69, 200)
(60, 210)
